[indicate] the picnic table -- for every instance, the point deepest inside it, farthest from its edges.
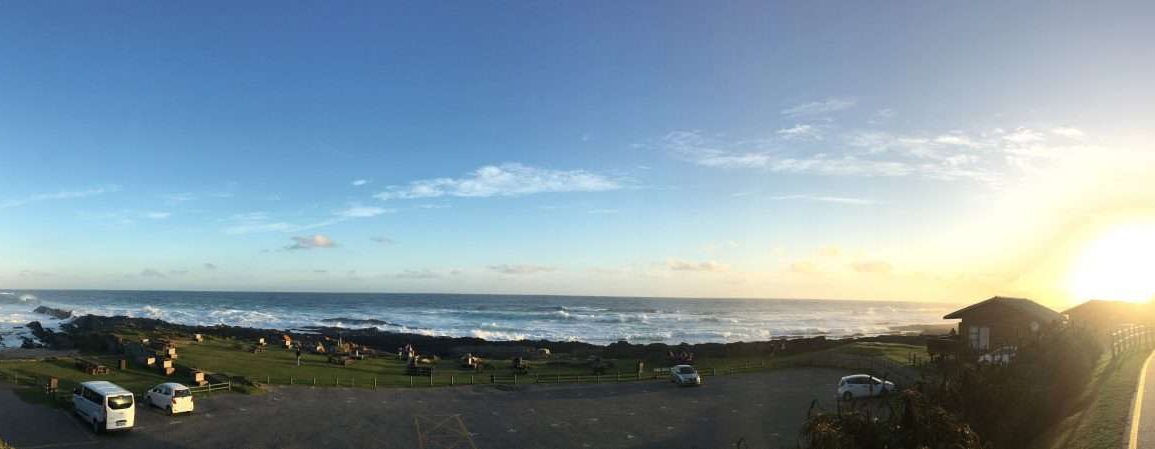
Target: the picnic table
(90, 367)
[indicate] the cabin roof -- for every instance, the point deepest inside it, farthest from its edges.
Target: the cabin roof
(1101, 305)
(1024, 305)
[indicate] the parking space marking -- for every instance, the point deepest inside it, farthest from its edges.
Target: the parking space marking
(442, 432)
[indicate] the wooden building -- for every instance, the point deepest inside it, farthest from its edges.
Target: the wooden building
(1002, 321)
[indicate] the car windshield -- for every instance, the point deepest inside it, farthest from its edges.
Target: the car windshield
(685, 370)
(181, 393)
(120, 402)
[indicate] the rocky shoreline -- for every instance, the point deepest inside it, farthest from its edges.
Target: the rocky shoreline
(98, 333)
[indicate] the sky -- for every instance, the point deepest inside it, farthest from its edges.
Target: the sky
(877, 150)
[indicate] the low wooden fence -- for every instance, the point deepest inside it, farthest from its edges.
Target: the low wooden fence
(1131, 337)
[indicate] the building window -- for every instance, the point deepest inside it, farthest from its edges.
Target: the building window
(979, 337)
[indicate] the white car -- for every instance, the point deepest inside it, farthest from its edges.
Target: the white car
(685, 375)
(863, 386)
(105, 405)
(171, 397)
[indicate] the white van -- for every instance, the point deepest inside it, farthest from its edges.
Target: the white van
(105, 405)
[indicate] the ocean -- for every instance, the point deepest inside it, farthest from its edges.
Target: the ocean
(599, 320)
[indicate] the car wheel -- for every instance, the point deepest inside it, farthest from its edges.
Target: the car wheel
(847, 396)
(96, 427)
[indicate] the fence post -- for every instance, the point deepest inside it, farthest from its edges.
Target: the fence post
(431, 378)
(374, 382)
(268, 380)
(290, 380)
(515, 378)
(452, 381)
(492, 378)
(471, 379)
(314, 381)
(336, 381)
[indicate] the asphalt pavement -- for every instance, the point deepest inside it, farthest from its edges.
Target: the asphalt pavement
(764, 410)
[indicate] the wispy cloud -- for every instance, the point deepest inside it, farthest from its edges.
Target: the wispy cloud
(521, 269)
(151, 273)
(417, 274)
(602, 211)
(359, 211)
(179, 197)
(359, 182)
(826, 199)
(820, 107)
(157, 215)
(1073, 133)
(382, 240)
(310, 242)
(62, 195)
(987, 156)
(509, 179)
(709, 266)
(800, 132)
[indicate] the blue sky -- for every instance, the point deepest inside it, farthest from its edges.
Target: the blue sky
(817, 149)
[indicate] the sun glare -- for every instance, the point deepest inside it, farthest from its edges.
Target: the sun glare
(1118, 264)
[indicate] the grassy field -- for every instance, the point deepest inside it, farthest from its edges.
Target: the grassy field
(896, 352)
(278, 366)
(1102, 424)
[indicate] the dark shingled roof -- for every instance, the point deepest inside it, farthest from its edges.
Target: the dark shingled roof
(1024, 305)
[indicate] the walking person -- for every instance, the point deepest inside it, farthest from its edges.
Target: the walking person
(298, 355)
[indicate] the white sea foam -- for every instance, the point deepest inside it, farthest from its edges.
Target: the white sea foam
(597, 320)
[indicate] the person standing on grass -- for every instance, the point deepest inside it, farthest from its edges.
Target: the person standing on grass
(298, 355)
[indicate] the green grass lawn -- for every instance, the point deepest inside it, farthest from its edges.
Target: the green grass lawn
(896, 352)
(1101, 425)
(278, 366)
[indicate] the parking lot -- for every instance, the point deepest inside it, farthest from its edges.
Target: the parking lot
(763, 409)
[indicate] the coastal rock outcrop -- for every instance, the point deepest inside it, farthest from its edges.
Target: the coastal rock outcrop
(59, 314)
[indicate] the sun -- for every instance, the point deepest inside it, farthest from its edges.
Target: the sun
(1117, 264)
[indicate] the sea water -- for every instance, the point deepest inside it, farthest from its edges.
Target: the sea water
(598, 320)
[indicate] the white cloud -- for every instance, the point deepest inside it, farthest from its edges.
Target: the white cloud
(509, 179)
(826, 199)
(820, 107)
(521, 269)
(602, 211)
(1073, 133)
(63, 195)
(1024, 135)
(157, 215)
(310, 242)
(799, 132)
(360, 182)
(359, 211)
(709, 266)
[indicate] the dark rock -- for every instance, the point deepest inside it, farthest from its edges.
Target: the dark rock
(357, 322)
(59, 314)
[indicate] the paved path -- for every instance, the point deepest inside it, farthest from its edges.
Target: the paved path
(764, 409)
(1143, 411)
